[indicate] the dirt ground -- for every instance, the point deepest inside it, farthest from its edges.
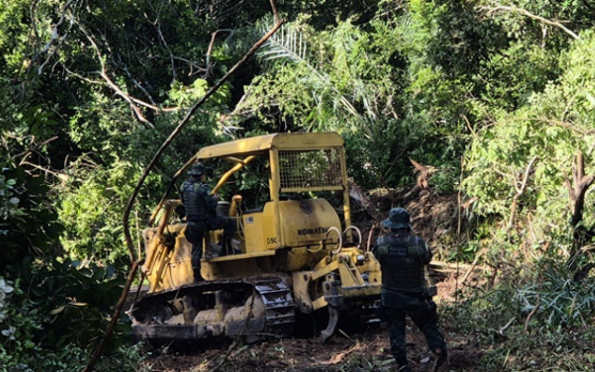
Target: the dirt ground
(368, 351)
(433, 218)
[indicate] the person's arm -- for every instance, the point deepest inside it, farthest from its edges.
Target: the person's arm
(210, 200)
(211, 203)
(430, 284)
(426, 253)
(374, 248)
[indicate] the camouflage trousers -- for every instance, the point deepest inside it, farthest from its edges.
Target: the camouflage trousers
(195, 233)
(425, 317)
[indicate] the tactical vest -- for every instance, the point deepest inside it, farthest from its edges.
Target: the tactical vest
(402, 261)
(192, 193)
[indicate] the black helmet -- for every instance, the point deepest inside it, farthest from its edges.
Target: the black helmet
(398, 218)
(197, 169)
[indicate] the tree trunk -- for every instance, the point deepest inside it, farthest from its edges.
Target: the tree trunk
(577, 194)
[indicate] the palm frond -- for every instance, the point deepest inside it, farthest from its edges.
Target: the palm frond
(290, 44)
(286, 43)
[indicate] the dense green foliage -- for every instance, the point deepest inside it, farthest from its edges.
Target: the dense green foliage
(59, 308)
(494, 98)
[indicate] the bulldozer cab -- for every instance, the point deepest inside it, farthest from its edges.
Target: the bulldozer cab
(298, 164)
(305, 228)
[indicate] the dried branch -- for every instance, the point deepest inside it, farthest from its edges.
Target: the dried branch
(55, 36)
(114, 319)
(473, 265)
(131, 100)
(32, 9)
(514, 9)
(505, 327)
(233, 9)
(424, 174)
(210, 51)
(138, 85)
(171, 55)
(58, 175)
(557, 123)
(128, 98)
(193, 65)
(533, 311)
(519, 192)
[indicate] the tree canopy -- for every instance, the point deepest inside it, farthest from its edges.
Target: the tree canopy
(495, 98)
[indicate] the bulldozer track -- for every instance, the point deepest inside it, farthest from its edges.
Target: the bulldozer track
(280, 307)
(152, 312)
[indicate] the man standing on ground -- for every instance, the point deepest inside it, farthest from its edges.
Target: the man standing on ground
(402, 258)
(201, 214)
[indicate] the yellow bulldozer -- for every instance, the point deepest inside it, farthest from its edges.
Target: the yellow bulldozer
(296, 257)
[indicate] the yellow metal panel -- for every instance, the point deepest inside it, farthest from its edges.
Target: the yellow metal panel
(324, 268)
(372, 267)
(252, 223)
(274, 188)
(301, 293)
(169, 264)
(346, 207)
(261, 144)
(214, 269)
(244, 256)
(304, 141)
(303, 223)
(270, 227)
(319, 303)
(245, 146)
(350, 277)
(322, 188)
(306, 222)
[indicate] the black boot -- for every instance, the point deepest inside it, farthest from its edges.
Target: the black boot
(223, 251)
(440, 355)
(402, 363)
(227, 248)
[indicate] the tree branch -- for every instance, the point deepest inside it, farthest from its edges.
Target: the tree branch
(193, 65)
(55, 36)
(132, 101)
(558, 123)
(519, 192)
(577, 197)
(578, 192)
(533, 311)
(137, 84)
(114, 319)
(514, 9)
(210, 51)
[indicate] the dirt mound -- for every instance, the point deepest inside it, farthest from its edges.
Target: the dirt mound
(434, 217)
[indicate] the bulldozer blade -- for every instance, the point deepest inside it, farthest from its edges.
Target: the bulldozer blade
(333, 320)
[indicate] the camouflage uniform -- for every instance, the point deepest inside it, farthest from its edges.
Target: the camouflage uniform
(402, 258)
(201, 214)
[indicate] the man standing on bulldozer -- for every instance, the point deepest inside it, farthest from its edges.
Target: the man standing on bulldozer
(201, 214)
(403, 257)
